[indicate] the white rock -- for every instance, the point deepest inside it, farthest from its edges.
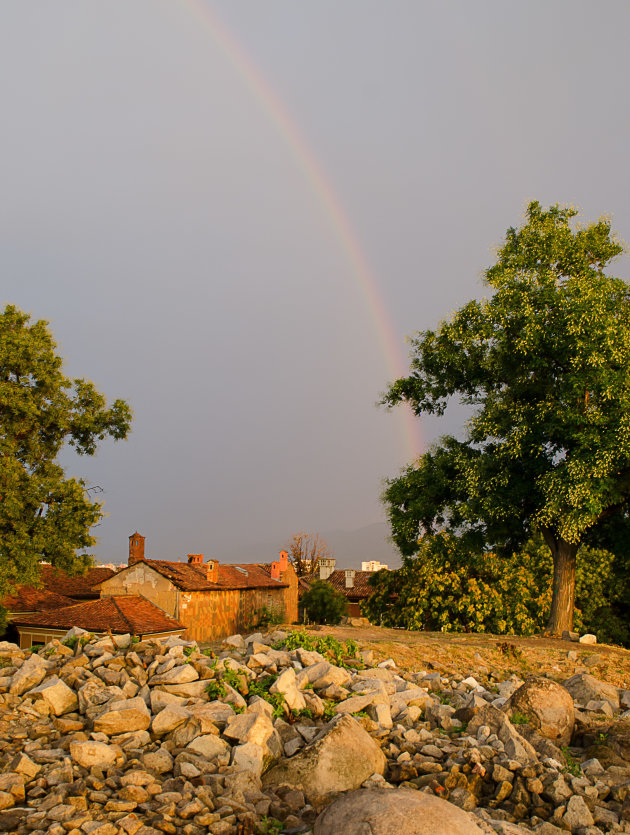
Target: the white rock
(589, 638)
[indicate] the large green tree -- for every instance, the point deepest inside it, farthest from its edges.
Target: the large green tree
(543, 364)
(44, 515)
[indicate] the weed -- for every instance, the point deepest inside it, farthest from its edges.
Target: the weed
(325, 645)
(510, 650)
(602, 738)
(572, 765)
(71, 642)
(519, 718)
(446, 699)
(208, 653)
(216, 689)
(269, 826)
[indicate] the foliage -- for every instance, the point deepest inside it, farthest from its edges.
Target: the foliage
(326, 645)
(449, 586)
(44, 515)
(323, 604)
(544, 364)
(215, 689)
(572, 765)
(305, 551)
(452, 587)
(269, 826)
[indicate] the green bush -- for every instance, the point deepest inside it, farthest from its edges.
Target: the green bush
(323, 604)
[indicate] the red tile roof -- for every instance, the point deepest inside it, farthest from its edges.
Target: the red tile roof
(30, 599)
(122, 613)
(247, 576)
(191, 577)
(360, 589)
(80, 587)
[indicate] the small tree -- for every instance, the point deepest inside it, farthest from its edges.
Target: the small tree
(305, 551)
(545, 365)
(323, 604)
(45, 516)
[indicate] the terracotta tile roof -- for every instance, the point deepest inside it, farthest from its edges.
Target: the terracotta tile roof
(190, 577)
(248, 576)
(30, 599)
(122, 613)
(55, 580)
(182, 574)
(360, 589)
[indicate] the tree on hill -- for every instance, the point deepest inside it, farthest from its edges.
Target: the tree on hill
(544, 364)
(305, 552)
(44, 515)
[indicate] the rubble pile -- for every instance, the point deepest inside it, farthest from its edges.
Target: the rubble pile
(112, 736)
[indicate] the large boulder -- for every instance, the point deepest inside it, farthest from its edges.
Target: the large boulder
(584, 688)
(340, 758)
(548, 707)
(89, 753)
(30, 674)
(392, 812)
(57, 695)
(124, 716)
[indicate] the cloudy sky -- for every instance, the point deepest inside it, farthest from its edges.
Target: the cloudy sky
(233, 212)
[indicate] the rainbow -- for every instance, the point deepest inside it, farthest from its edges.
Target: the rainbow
(325, 193)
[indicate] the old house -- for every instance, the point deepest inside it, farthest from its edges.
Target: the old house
(131, 614)
(210, 599)
(56, 590)
(351, 583)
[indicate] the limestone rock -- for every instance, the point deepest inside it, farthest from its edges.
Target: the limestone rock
(548, 706)
(342, 757)
(585, 688)
(91, 753)
(393, 812)
(124, 716)
(57, 695)
(30, 674)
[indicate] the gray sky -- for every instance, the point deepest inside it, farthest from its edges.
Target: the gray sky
(155, 211)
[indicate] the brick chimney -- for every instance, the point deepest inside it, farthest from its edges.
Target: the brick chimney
(350, 572)
(275, 570)
(212, 571)
(136, 548)
(195, 559)
(284, 561)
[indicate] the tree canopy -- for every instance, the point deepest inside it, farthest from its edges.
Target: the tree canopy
(544, 365)
(44, 515)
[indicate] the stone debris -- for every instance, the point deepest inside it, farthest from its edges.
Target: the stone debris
(114, 736)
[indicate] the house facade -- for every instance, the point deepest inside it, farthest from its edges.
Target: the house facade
(210, 599)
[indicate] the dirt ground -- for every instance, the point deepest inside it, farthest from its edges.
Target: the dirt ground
(496, 655)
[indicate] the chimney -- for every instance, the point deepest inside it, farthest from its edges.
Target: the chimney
(275, 570)
(212, 571)
(136, 548)
(195, 559)
(284, 561)
(349, 572)
(326, 567)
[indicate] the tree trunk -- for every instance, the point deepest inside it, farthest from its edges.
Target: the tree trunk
(563, 597)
